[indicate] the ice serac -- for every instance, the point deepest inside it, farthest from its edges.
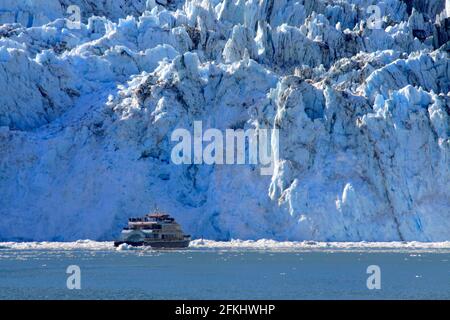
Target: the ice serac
(363, 113)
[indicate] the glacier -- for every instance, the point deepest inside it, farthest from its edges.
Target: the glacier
(363, 113)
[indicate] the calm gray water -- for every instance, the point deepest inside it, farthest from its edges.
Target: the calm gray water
(222, 274)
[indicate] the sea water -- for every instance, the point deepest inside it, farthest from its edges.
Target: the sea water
(234, 270)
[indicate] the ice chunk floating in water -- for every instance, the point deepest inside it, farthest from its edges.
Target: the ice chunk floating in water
(238, 245)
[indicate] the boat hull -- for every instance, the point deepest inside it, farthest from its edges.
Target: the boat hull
(156, 244)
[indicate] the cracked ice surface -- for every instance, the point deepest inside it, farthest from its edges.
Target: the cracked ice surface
(364, 117)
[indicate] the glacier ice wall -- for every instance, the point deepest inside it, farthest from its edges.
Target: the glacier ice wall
(363, 113)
